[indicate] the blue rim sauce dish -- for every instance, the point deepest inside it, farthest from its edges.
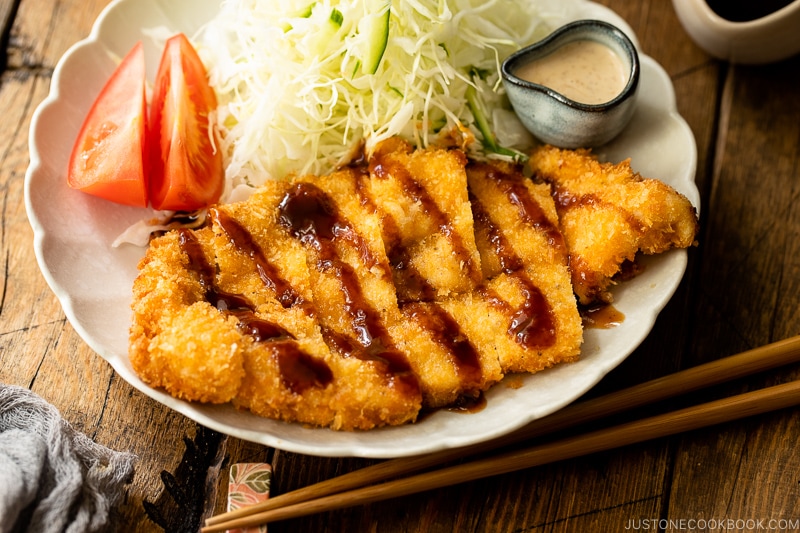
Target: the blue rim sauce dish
(576, 87)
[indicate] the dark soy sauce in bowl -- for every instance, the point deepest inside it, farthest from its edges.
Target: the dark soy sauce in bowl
(746, 10)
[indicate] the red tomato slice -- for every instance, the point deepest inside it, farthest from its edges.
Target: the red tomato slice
(184, 163)
(107, 159)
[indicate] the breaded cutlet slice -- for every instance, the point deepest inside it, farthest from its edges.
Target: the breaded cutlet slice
(201, 342)
(364, 310)
(421, 197)
(289, 373)
(452, 366)
(178, 341)
(608, 213)
(513, 319)
(354, 298)
(362, 392)
(528, 296)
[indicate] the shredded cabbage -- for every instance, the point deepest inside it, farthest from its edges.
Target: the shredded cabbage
(293, 97)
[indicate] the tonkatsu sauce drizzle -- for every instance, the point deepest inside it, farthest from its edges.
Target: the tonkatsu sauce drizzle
(529, 210)
(299, 370)
(382, 168)
(243, 241)
(447, 333)
(313, 218)
(601, 316)
(532, 324)
(410, 284)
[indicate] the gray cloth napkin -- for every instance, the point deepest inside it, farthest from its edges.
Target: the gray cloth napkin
(53, 478)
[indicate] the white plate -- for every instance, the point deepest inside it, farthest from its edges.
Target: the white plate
(73, 235)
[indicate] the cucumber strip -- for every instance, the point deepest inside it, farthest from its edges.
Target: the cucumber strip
(328, 32)
(336, 18)
(489, 141)
(301, 14)
(375, 29)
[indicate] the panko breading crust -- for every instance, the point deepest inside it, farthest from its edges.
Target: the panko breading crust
(358, 299)
(608, 213)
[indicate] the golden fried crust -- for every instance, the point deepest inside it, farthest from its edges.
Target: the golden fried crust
(200, 355)
(264, 390)
(450, 362)
(270, 386)
(528, 296)
(239, 272)
(362, 394)
(422, 201)
(608, 213)
(178, 337)
(355, 300)
(431, 364)
(517, 320)
(421, 196)
(320, 275)
(178, 341)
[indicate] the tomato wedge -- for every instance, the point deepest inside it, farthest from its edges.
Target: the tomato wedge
(107, 160)
(184, 162)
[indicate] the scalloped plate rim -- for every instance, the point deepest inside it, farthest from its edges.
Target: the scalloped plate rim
(426, 436)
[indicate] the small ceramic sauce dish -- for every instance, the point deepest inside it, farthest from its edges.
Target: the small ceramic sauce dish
(743, 31)
(576, 87)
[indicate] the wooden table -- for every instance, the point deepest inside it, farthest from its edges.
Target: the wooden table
(741, 290)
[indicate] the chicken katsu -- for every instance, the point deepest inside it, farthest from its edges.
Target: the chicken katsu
(361, 298)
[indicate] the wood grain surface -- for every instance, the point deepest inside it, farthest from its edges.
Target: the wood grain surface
(741, 290)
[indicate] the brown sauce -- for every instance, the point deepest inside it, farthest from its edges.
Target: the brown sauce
(381, 168)
(313, 218)
(469, 405)
(205, 271)
(243, 241)
(260, 330)
(532, 324)
(298, 370)
(447, 334)
(745, 10)
(601, 316)
(529, 210)
(585, 278)
(509, 261)
(463, 405)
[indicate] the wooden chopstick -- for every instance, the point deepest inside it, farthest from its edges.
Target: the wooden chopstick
(705, 375)
(725, 410)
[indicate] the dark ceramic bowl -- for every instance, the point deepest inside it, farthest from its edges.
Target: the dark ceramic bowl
(555, 119)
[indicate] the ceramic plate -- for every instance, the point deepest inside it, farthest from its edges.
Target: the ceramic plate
(73, 235)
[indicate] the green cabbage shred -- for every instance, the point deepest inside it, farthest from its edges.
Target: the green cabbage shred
(294, 98)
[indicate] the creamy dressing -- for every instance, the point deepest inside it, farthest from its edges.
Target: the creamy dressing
(584, 71)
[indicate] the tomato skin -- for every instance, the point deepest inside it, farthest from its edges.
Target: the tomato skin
(185, 169)
(107, 158)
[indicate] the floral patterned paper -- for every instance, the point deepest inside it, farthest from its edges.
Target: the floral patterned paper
(248, 485)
